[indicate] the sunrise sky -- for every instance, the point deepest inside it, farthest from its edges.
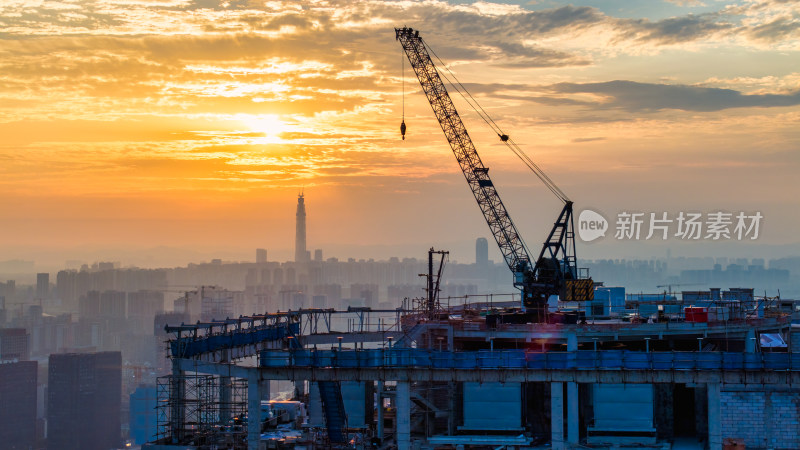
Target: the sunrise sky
(133, 124)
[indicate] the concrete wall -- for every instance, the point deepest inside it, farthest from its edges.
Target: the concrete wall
(763, 419)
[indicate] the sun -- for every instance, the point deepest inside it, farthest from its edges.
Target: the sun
(270, 125)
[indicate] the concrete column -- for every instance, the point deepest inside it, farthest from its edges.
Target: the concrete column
(300, 388)
(253, 410)
(573, 432)
(768, 420)
(572, 342)
(225, 389)
(379, 427)
(452, 389)
(714, 417)
(403, 420)
(557, 415)
(177, 397)
(264, 389)
(750, 341)
(450, 338)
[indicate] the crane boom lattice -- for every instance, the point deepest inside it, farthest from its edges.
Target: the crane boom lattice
(477, 175)
(554, 271)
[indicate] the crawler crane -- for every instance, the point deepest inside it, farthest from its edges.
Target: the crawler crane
(554, 272)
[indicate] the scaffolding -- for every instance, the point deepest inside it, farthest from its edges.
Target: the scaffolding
(202, 410)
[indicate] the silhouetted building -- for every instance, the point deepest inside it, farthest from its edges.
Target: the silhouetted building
(217, 303)
(261, 255)
(42, 285)
(300, 252)
(14, 344)
(143, 307)
(84, 399)
(89, 305)
(67, 289)
(318, 255)
(9, 290)
(277, 277)
(112, 304)
(209, 303)
(482, 253)
(18, 405)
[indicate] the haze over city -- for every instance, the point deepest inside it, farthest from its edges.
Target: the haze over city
(240, 224)
(159, 133)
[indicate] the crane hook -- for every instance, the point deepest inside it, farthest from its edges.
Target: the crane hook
(403, 129)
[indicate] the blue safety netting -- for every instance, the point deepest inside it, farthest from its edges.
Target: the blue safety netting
(522, 359)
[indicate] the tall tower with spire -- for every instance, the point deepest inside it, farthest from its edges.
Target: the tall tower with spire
(300, 238)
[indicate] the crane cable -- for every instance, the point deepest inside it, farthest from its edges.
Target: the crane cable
(548, 182)
(403, 82)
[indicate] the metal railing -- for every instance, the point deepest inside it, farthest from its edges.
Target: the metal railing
(190, 347)
(521, 359)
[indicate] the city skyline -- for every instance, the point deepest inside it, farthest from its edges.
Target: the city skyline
(222, 221)
(189, 126)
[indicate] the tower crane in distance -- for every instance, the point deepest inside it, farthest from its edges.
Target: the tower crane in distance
(554, 272)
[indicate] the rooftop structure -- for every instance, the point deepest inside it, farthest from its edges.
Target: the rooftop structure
(473, 375)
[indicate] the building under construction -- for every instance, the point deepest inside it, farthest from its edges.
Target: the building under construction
(462, 376)
(572, 364)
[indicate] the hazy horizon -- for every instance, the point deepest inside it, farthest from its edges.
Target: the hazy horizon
(171, 132)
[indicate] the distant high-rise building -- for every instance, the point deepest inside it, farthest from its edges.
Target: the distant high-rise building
(482, 253)
(266, 276)
(277, 277)
(67, 289)
(317, 255)
(214, 302)
(14, 344)
(142, 307)
(42, 285)
(89, 305)
(84, 400)
(261, 255)
(113, 304)
(11, 288)
(18, 400)
(145, 304)
(300, 254)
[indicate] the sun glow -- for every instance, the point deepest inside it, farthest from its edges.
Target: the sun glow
(270, 125)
